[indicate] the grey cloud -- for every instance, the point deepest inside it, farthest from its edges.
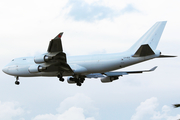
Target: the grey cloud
(82, 11)
(128, 9)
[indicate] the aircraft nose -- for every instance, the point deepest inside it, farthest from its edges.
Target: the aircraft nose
(5, 69)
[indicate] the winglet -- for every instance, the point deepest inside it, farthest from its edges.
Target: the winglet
(55, 45)
(59, 36)
(152, 69)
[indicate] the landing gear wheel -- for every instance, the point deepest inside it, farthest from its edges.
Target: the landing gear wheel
(17, 82)
(82, 80)
(61, 79)
(78, 84)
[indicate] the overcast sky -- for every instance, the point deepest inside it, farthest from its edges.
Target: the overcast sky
(90, 27)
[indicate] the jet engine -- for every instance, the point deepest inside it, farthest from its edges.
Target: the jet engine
(71, 80)
(36, 68)
(109, 79)
(42, 58)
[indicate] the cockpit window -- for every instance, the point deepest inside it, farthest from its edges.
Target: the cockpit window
(13, 60)
(24, 59)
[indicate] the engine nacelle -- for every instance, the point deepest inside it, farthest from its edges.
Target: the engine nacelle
(42, 58)
(36, 68)
(109, 79)
(71, 80)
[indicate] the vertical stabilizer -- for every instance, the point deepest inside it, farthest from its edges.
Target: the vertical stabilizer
(151, 37)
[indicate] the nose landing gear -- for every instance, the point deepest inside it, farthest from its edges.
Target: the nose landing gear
(17, 80)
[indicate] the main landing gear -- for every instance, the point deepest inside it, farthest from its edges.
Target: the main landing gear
(78, 81)
(60, 77)
(17, 80)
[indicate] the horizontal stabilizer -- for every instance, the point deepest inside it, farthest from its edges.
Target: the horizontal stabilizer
(163, 56)
(144, 50)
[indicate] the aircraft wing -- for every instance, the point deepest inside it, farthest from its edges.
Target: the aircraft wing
(55, 45)
(109, 74)
(95, 75)
(59, 60)
(117, 74)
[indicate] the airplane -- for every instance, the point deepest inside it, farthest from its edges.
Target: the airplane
(55, 63)
(176, 105)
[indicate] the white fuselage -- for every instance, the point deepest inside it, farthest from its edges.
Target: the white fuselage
(81, 65)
